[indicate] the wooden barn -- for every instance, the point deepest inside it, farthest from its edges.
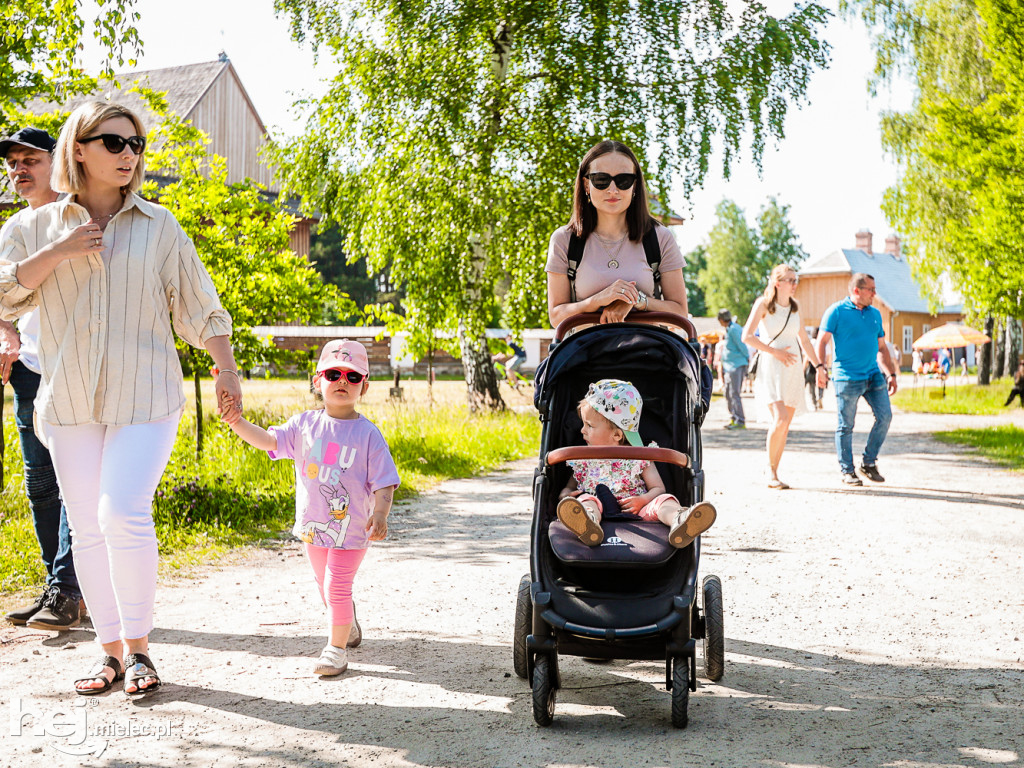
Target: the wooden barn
(905, 311)
(212, 96)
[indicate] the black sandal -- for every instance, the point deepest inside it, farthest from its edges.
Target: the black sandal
(97, 674)
(138, 666)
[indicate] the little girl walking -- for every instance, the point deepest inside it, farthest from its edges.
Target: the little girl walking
(611, 416)
(345, 480)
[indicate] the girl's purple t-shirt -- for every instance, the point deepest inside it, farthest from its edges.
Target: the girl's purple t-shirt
(339, 463)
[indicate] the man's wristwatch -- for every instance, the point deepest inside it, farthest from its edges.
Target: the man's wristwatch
(642, 301)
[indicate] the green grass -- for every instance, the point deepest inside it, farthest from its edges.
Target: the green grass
(1002, 444)
(960, 398)
(238, 496)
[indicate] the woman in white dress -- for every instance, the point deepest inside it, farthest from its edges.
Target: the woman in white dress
(779, 386)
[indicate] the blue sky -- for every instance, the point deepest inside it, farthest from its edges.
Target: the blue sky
(830, 167)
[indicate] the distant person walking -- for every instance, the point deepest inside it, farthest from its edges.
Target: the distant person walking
(858, 340)
(1018, 385)
(779, 385)
(514, 362)
(811, 374)
(735, 358)
(28, 160)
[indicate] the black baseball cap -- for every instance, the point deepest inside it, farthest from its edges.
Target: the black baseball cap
(33, 138)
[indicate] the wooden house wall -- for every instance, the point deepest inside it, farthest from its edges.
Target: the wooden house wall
(916, 322)
(299, 237)
(235, 132)
(816, 293)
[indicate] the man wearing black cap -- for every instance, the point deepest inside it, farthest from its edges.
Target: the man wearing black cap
(27, 161)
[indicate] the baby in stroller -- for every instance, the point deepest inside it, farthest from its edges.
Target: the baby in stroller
(621, 488)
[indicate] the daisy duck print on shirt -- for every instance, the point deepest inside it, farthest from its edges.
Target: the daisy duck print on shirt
(339, 463)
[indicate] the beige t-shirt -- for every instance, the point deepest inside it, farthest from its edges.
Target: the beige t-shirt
(594, 273)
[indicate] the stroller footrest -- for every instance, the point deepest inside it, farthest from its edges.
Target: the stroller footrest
(627, 544)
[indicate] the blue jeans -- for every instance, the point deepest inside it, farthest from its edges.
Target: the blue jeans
(875, 391)
(48, 513)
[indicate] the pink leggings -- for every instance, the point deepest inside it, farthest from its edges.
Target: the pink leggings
(335, 570)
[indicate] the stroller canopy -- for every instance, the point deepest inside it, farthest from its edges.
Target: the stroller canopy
(641, 349)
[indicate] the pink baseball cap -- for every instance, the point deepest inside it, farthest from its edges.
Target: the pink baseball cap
(345, 355)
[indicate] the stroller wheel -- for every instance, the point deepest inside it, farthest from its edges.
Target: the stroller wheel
(714, 632)
(680, 691)
(543, 690)
(524, 619)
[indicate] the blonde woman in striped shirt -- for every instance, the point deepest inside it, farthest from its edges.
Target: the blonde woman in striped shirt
(112, 275)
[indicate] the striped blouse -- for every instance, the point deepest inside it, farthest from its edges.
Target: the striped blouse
(106, 346)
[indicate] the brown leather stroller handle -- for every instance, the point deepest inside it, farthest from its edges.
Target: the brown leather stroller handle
(643, 318)
(664, 455)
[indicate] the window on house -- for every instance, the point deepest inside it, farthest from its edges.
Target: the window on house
(908, 339)
(925, 328)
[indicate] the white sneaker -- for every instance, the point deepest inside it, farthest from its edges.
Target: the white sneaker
(332, 661)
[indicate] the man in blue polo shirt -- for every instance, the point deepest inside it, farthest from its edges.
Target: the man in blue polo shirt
(735, 358)
(858, 339)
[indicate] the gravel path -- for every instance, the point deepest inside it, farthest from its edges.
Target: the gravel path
(870, 627)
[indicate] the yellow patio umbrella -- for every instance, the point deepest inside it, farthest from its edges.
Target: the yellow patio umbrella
(949, 336)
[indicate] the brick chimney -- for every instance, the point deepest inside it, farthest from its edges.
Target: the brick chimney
(892, 246)
(864, 241)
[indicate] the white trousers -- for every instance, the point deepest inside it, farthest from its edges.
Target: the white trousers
(108, 476)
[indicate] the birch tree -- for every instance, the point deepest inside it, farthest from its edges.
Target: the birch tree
(39, 44)
(450, 135)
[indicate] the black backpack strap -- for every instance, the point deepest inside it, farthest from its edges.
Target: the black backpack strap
(652, 250)
(574, 255)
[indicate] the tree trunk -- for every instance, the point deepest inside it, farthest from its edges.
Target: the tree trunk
(999, 344)
(199, 408)
(430, 372)
(985, 355)
(1010, 352)
(481, 380)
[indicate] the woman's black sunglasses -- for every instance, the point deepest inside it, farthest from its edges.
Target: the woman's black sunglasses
(115, 144)
(602, 180)
(333, 374)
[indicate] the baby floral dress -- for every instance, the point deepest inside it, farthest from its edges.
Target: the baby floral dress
(623, 477)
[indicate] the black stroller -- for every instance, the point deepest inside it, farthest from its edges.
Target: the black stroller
(635, 596)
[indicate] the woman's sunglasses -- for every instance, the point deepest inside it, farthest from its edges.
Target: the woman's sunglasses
(333, 374)
(602, 180)
(115, 144)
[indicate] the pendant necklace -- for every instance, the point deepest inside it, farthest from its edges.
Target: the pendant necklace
(613, 262)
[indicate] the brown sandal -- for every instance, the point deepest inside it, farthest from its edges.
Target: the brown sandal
(573, 515)
(691, 523)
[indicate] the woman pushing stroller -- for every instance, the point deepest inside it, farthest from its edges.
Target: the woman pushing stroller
(622, 488)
